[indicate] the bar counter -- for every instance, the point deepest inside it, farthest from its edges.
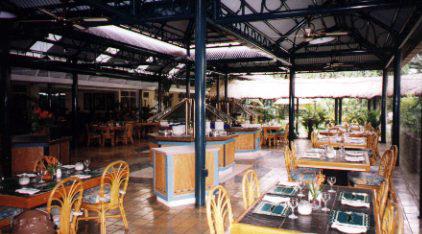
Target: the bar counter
(226, 146)
(174, 173)
(27, 149)
(247, 140)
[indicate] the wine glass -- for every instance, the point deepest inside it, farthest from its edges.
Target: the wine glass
(293, 203)
(86, 164)
(325, 197)
(1, 182)
(331, 180)
(301, 187)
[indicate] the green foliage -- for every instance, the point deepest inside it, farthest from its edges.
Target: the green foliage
(410, 111)
(312, 117)
(373, 118)
(354, 111)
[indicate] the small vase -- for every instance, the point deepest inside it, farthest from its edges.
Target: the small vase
(315, 201)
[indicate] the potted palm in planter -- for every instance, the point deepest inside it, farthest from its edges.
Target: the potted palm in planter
(312, 118)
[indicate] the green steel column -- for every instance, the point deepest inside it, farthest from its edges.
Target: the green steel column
(340, 110)
(292, 104)
(396, 102)
(383, 116)
(200, 67)
(5, 128)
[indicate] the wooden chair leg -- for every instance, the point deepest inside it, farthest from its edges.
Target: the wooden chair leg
(102, 223)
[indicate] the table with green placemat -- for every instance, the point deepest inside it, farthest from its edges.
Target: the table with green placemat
(351, 210)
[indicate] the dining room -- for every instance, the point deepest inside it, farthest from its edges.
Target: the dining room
(220, 116)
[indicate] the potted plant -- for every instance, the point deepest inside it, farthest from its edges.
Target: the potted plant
(373, 118)
(41, 121)
(312, 118)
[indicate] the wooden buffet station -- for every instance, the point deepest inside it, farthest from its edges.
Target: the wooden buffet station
(226, 145)
(247, 140)
(27, 149)
(174, 173)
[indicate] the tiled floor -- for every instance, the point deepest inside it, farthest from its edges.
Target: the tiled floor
(146, 215)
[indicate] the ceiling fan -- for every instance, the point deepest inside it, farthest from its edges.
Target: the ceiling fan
(335, 64)
(315, 38)
(74, 22)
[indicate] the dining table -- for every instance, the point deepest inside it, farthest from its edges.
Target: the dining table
(349, 142)
(318, 221)
(9, 187)
(268, 129)
(348, 160)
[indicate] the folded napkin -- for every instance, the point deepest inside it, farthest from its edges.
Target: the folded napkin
(356, 140)
(81, 176)
(268, 208)
(354, 153)
(350, 222)
(275, 199)
(27, 175)
(355, 199)
(354, 158)
(285, 190)
(311, 155)
(29, 191)
(290, 184)
(68, 166)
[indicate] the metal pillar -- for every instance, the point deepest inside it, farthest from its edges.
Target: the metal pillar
(340, 109)
(200, 67)
(396, 103)
(292, 104)
(226, 87)
(374, 103)
(188, 69)
(5, 128)
(217, 103)
(297, 117)
(160, 96)
(49, 97)
(141, 104)
(383, 116)
(336, 111)
(369, 105)
(75, 120)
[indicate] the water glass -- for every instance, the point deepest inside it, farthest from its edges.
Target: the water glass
(301, 187)
(331, 180)
(86, 164)
(325, 198)
(293, 203)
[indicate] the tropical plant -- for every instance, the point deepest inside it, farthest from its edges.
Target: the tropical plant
(41, 119)
(312, 117)
(373, 117)
(411, 111)
(354, 112)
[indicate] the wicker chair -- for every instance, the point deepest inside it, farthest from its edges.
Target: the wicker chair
(219, 210)
(127, 135)
(108, 196)
(64, 204)
(108, 134)
(250, 188)
(92, 135)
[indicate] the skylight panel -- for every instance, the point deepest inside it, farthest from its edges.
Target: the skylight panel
(176, 69)
(103, 58)
(41, 46)
(150, 59)
(54, 37)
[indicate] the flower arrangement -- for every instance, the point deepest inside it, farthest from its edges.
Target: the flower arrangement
(315, 186)
(41, 120)
(51, 164)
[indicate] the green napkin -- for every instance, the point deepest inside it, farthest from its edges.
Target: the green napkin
(355, 196)
(271, 209)
(352, 218)
(283, 190)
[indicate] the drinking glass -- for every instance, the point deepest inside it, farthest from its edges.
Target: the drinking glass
(301, 187)
(293, 203)
(331, 180)
(86, 164)
(1, 182)
(325, 197)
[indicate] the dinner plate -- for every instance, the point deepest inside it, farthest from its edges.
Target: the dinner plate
(345, 229)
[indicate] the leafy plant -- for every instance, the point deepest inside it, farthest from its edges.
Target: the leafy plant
(355, 112)
(312, 117)
(410, 111)
(373, 117)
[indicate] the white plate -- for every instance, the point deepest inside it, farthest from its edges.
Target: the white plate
(68, 166)
(344, 229)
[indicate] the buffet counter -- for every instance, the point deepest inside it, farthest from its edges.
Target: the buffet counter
(174, 173)
(226, 146)
(27, 149)
(247, 140)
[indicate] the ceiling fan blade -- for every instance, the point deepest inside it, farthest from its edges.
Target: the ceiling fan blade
(77, 26)
(48, 13)
(37, 21)
(336, 33)
(95, 19)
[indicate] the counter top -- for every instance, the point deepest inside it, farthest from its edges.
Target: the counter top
(188, 138)
(240, 129)
(31, 139)
(183, 149)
